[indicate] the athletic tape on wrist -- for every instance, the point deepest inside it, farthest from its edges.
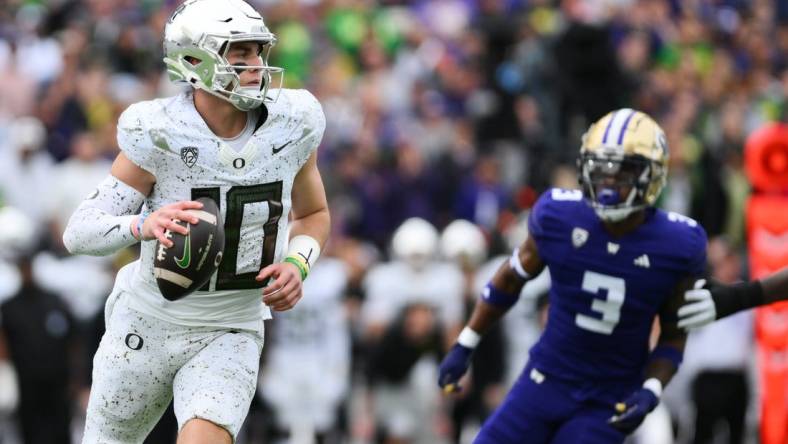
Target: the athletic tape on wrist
(655, 385)
(469, 338)
(302, 252)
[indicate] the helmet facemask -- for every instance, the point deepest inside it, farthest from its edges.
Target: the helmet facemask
(214, 74)
(616, 185)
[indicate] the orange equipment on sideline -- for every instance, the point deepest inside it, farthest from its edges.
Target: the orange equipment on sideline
(766, 158)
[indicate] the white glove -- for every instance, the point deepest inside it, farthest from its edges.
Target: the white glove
(699, 309)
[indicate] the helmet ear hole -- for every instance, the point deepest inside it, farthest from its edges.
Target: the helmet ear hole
(193, 60)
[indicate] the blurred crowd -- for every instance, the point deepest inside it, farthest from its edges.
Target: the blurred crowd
(437, 111)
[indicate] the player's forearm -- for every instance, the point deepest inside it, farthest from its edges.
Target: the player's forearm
(316, 225)
(503, 290)
(661, 369)
(775, 287)
(484, 316)
(497, 298)
(733, 298)
(102, 224)
(665, 359)
(93, 232)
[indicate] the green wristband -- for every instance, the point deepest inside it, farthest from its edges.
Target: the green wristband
(300, 264)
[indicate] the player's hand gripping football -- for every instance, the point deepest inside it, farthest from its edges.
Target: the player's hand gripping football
(157, 223)
(631, 413)
(453, 367)
(285, 289)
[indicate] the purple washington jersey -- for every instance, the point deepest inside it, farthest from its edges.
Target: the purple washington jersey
(606, 290)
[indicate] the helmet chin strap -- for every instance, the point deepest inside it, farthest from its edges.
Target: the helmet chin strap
(613, 214)
(240, 101)
(246, 98)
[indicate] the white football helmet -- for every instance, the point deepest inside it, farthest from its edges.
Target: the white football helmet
(415, 242)
(203, 30)
(464, 242)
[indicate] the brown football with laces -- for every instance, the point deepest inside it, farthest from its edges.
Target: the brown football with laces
(194, 257)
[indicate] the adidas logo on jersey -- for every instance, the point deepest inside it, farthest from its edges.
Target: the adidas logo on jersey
(642, 261)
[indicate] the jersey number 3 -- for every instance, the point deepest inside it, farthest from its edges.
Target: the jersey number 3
(610, 307)
(236, 198)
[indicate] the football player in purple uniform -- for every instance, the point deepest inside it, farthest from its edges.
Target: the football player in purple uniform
(616, 264)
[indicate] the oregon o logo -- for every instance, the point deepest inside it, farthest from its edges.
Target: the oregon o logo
(218, 259)
(134, 341)
(239, 163)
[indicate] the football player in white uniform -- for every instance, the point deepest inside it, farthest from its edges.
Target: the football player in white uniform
(250, 148)
(406, 300)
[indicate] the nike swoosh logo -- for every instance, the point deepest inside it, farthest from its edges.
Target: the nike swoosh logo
(116, 227)
(186, 259)
(276, 150)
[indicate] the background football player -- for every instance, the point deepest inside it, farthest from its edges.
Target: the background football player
(254, 154)
(615, 263)
(413, 304)
(306, 374)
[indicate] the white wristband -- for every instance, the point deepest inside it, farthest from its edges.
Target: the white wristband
(654, 385)
(304, 247)
(469, 338)
(517, 266)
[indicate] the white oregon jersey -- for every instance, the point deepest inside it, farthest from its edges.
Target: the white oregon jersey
(252, 187)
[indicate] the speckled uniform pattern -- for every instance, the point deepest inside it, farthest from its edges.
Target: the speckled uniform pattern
(252, 187)
(101, 224)
(143, 362)
(204, 349)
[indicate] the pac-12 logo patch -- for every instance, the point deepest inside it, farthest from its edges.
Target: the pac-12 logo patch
(189, 155)
(579, 237)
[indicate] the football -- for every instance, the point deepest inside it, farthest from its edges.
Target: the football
(191, 261)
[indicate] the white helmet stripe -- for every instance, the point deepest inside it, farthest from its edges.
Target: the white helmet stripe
(624, 128)
(616, 127)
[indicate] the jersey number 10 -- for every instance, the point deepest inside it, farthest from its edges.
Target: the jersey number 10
(236, 198)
